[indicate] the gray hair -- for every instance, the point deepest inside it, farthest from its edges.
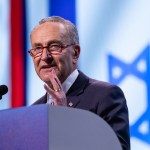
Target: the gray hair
(70, 27)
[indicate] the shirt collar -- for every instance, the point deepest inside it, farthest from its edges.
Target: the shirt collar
(70, 80)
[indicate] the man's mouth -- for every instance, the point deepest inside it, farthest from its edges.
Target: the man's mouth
(48, 67)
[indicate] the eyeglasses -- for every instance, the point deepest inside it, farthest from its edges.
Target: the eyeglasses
(53, 49)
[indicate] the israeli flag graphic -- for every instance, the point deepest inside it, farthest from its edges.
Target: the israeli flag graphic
(115, 40)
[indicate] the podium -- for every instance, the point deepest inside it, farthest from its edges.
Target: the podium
(47, 127)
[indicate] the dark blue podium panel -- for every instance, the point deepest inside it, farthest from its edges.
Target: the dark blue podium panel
(24, 128)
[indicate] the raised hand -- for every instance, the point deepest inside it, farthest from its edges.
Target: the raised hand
(54, 88)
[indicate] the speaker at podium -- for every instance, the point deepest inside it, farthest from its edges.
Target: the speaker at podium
(47, 127)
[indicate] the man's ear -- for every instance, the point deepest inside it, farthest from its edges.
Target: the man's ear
(76, 54)
(76, 51)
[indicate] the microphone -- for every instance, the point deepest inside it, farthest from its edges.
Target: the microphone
(3, 90)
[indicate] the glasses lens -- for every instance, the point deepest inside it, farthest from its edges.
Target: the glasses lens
(54, 48)
(37, 50)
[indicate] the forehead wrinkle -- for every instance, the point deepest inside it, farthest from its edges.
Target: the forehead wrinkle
(64, 36)
(47, 25)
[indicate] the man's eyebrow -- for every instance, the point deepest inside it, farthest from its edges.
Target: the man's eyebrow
(37, 44)
(48, 43)
(54, 41)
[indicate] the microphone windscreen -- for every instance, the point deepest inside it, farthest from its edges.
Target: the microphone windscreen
(3, 89)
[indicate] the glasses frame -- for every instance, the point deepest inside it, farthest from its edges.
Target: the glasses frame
(42, 47)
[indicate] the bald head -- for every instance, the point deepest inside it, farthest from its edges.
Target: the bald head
(72, 32)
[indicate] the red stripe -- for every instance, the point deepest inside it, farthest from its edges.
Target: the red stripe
(17, 51)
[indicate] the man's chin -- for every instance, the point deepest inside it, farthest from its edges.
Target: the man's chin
(46, 79)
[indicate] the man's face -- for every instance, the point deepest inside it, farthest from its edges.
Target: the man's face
(63, 63)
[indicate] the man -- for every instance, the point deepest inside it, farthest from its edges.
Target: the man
(55, 52)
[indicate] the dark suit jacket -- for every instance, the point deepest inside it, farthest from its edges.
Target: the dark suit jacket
(103, 99)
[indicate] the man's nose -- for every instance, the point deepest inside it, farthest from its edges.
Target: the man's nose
(45, 54)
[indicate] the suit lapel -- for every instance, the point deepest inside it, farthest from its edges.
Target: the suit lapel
(73, 98)
(76, 89)
(42, 100)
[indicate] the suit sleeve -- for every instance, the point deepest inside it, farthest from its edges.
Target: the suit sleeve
(113, 109)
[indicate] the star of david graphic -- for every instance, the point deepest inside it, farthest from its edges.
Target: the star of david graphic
(140, 68)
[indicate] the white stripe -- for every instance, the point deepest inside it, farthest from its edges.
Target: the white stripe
(36, 10)
(5, 51)
(132, 27)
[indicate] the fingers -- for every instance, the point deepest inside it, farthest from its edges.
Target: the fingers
(49, 90)
(59, 97)
(52, 92)
(55, 90)
(54, 82)
(60, 102)
(58, 83)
